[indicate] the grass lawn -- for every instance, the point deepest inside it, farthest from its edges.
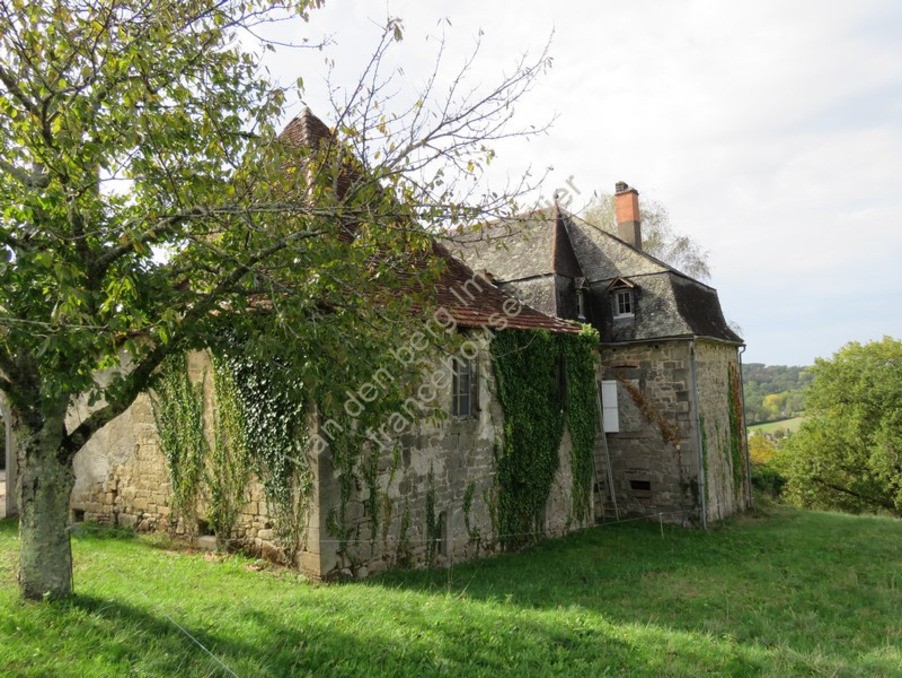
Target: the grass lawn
(790, 425)
(794, 592)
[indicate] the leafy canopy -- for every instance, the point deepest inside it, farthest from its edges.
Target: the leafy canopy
(847, 454)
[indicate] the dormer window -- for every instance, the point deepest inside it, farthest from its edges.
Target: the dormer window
(623, 302)
(623, 298)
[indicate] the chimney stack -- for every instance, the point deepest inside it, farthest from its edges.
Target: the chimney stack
(626, 207)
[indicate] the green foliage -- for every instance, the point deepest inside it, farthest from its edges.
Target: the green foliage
(767, 478)
(582, 419)
(847, 454)
(178, 407)
(228, 472)
(275, 413)
(249, 402)
(222, 223)
(528, 375)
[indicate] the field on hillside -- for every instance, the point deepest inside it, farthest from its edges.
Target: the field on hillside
(790, 593)
(791, 425)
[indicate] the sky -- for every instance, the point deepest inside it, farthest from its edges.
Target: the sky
(771, 131)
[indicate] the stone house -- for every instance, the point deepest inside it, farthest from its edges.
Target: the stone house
(432, 500)
(670, 381)
(670, 397)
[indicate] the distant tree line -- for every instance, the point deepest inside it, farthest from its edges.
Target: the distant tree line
(774, 392)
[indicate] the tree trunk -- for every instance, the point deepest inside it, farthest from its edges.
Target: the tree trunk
(44, 488)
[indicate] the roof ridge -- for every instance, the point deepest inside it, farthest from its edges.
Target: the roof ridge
(643, 253)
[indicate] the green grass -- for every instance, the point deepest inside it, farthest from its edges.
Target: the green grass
(794, 593)
(790, 425)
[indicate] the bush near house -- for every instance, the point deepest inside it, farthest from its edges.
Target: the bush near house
(797, 593)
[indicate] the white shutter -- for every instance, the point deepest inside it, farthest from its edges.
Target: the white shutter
(610, 417)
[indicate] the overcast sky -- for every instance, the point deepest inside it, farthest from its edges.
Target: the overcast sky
(771, 130)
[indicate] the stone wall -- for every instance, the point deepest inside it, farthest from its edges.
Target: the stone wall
(121, 477)
(448, 463)
(727, 486)
(641, 455)
(660, 453)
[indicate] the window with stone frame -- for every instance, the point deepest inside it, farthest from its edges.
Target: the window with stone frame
(464, 387)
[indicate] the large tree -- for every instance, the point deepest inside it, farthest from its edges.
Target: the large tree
(659, 237)
(147, 203)
(847, 454)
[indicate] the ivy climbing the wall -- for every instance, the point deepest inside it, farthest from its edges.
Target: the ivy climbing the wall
(275, 412)
(257, 425)
(228, 472)
(582, 416)
(737, 428)
(543, 381)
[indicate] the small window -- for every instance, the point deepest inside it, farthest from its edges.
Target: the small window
(610, 416)
(464, 387)
(581, 304)
(640, 488)
(623, 302)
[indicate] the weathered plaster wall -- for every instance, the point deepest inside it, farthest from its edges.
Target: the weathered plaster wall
(727, 488)
(640, 452)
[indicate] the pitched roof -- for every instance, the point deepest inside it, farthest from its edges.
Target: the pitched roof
(534, 245)
(525, 246)
(473, 301)
(306, 130)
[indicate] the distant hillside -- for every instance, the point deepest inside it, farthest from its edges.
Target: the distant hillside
(773, 391)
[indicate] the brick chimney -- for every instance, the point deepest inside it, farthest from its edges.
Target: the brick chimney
(626, 206)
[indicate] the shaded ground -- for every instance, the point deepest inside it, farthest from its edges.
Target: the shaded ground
(797, 593)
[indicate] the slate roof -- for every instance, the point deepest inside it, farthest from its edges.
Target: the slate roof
(535, 244)
(520, 251)
(487, 300)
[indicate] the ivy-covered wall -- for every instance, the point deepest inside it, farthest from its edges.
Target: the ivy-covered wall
(203, 456)
(456, 488)
(720, 405)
